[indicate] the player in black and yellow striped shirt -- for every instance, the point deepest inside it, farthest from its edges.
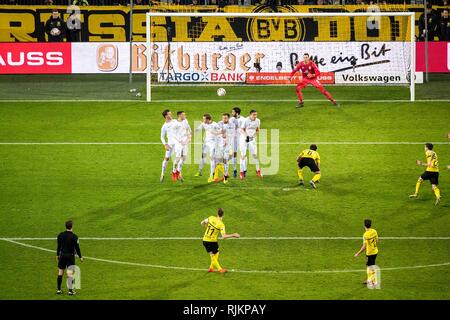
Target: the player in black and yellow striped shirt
(309, 158)
(431, 173)
(214, 225)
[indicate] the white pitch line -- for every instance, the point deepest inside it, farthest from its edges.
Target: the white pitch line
(199, 238)
(217, 100)
(234, 270)
(199, 143)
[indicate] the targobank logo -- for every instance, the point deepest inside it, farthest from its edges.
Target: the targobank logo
(201, 77)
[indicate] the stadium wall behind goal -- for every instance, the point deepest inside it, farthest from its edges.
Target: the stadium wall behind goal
(26, 24)
(222, 62)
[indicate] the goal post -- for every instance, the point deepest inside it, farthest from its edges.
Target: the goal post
(211, 48)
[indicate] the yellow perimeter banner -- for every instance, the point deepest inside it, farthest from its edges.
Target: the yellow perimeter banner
(100, 23)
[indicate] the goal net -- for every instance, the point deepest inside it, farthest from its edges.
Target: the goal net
(191, 54)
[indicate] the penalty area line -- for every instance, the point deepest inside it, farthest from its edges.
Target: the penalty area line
(157, 266)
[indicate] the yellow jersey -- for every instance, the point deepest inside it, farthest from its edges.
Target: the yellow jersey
(214, 227)
(308, 153)
(371, 240)
(432, 156)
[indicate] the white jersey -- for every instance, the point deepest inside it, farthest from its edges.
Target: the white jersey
(213, 132)
(230, 130)
(182, 131)
(168, 129)
(241, 121)
(235, 122)
(250, 127)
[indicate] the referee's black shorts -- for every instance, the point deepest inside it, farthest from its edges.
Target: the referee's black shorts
(432, 176)
(211, 246)
(66, 260)
(371, 260)
(310, 163)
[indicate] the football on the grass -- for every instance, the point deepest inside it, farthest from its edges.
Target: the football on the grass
(221, 92)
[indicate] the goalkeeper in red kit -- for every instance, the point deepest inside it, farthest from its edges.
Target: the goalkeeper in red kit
(310, 72)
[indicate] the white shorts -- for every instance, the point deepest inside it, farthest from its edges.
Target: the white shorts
(223, 152)
(181, 150)
(209, 148)
(251, 146)
(169, 152)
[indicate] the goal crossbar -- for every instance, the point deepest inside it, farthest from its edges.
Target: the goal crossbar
(149, 15)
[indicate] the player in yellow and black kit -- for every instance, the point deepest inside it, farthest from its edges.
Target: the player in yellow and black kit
(214, 226)
(370, 245)
(431, 173)
(309, 158)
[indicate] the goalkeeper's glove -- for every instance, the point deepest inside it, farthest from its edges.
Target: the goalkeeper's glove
(247, 139)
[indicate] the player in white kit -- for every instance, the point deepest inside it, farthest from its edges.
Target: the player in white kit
(227, 140)
(249, 129)
(167, 131)
(235, 116)
(213, 131)
(183, 134)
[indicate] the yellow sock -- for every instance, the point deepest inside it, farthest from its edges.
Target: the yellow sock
(437, 192)
(216, 261)
(418, 184)
(300, 174)
(316, 177)
(211, 266)
(370, 275)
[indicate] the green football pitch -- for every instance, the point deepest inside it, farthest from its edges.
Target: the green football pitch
(98, 162)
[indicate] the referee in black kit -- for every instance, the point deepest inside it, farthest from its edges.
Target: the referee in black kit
(65, 254)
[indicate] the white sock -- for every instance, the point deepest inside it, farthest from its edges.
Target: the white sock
(175, 164)
(225, 169)
(69, 282)
(213, 167)
(164, 164)
(255, 158)
(233, 161)
(242, 165)
(180, 165)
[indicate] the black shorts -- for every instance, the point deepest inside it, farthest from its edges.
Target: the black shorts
(432, 176)
(66, 260)
(310, 163)
(371, 260)
(211, 246)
